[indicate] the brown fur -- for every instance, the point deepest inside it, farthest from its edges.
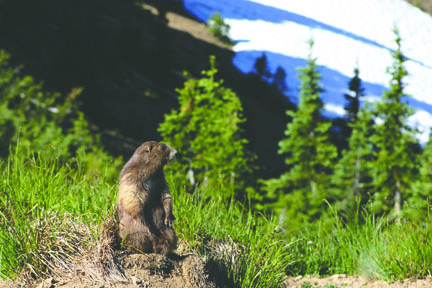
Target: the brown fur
(145, 203)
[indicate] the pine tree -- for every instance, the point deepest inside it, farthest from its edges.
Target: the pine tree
(310, 156)
(396, 165)
(353, 105)
(278, 79)
(261, 68)
(352, 178)
(419, 203)
(341, 127)
(206, 132)
(218, 28)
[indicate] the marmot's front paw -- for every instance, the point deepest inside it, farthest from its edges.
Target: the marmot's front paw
(169, 219)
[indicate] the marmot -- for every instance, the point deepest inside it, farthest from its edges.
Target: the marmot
(145, 203)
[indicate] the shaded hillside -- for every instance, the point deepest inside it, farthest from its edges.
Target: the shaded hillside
(130, 59)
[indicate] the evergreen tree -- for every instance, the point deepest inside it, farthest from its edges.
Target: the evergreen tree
(341, 128)
(353, 105)
(206, 132)
(352, 178)
(278, 80)
(218, 28)
(261, 68)
(310, 156)
(396, 165)
(418, 204)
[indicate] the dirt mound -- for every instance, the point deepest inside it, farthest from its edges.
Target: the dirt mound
(153, 270)
(148, 270)
(186, 269)
(101, 262)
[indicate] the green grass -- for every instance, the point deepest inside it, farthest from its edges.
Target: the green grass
(46, 207)
(252, 249)
(376, 248)
(40, 202)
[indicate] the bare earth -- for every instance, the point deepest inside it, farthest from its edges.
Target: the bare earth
(152, 270)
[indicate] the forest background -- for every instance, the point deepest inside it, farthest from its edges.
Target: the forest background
(119, 66)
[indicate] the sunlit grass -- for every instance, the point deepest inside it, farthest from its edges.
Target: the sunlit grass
(40, 202)
(47, 207)
(377, 248)
(249, 246)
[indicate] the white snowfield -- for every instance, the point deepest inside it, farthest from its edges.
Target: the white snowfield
(346, 33)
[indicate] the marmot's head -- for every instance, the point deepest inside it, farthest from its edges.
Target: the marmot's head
(147, 159)
(155, 152)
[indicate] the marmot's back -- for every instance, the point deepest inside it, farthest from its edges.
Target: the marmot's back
(145, 203)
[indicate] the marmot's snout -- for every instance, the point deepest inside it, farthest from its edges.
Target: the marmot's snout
(172, 154)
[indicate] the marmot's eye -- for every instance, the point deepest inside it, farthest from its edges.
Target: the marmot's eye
(162, 147)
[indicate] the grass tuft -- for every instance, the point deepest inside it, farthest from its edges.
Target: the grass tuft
(48, 214)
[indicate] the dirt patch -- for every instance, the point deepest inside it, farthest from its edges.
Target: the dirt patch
(341, 280)
(101, 262)
(154, 270)
(194, 28)
(185, 269)
(189, 25)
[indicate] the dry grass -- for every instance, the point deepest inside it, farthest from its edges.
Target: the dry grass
(67, 248)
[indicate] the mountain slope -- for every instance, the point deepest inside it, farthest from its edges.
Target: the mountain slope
(129, 57)
(347, 34)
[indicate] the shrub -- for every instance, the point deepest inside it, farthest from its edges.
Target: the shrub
(206, 131)
(36, 119)
(219, 29)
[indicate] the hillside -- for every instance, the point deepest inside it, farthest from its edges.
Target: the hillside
(129, 58)
(347, 34)
(425, 5)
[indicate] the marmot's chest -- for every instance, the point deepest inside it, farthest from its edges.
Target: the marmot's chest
(150, 190)
(149, 186)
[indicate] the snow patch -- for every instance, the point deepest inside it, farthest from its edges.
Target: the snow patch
(347, 34)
